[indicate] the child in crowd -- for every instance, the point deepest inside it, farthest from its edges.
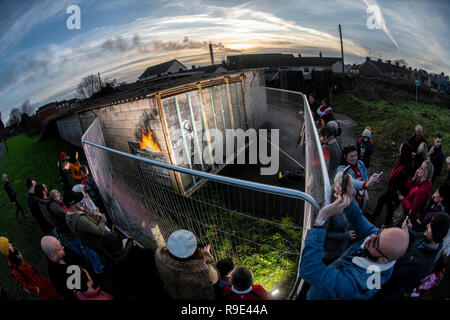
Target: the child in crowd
(242, 287)
(365, 146)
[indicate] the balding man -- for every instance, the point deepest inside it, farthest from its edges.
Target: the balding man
(418, 260)
(59, 259)
(417, 139)
(363, 268)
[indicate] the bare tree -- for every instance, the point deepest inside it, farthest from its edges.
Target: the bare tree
(88, 86)
(27, 108)
(14, 117)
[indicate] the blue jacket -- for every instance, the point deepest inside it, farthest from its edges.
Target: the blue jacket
(346, 278)
(357, 184)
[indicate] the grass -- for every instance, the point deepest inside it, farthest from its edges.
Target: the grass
(391, 124)
(38, 160)
(26, 159)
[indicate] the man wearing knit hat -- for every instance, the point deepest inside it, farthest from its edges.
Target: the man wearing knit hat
(418, 260)
(25, 274)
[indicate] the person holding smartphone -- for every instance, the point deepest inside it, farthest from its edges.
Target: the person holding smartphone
(358, 173)
(348, 278)
(339, 232)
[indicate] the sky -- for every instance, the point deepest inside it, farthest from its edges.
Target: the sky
(42, 60)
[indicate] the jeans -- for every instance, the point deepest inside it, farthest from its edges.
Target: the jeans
(87, 254)
(19, 208)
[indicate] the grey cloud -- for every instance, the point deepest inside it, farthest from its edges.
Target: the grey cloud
(121, 45)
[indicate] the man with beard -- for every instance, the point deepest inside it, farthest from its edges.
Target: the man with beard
(418, 260)
(351, 276)
(25, 274)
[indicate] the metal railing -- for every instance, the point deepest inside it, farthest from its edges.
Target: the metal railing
(256, 224)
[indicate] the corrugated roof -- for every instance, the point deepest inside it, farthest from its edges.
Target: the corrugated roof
(278, 60)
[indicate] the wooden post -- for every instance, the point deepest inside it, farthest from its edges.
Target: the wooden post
(205, 122)
(175, 175)
(243, 101)
(230, 106)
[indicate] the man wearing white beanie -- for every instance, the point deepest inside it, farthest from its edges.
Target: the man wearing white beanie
(187, 271)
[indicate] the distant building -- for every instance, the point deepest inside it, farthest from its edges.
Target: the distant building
(378, 68)
(275, 62)
(56, 107)
(169, 67)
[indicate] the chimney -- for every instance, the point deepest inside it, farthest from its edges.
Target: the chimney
(379, 60)
(299, 55)
(211, 54)
(367, 59)
(193, 66)
(320, 54)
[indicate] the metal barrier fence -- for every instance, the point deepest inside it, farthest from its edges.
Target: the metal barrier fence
(257, 225)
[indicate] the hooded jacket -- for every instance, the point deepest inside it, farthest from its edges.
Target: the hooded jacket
(55, 214)
(346, 278)
(88, 228)
(187, 280)
(409, 269)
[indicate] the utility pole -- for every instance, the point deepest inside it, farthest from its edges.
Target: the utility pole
(342, 57)
(100, 82)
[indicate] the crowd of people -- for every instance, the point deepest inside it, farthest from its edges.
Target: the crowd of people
(411, 253)
(78, 235)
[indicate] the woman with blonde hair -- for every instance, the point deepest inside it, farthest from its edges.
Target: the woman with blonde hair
(421, 156)
(419, 190)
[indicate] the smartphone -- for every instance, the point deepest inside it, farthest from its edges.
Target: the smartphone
(380, 175)
(345, 179)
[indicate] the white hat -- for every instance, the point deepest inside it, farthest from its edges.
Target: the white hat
(182, 243)
(333, 125)
(448, 160)
(78, 188)
(367, 133)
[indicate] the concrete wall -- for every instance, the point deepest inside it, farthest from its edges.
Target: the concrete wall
(70, 130)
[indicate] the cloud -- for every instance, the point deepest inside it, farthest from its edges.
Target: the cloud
(16, 28)
(375, 9)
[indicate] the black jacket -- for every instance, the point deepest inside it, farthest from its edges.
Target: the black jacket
(56, 216)
(414, 143)
(67, 180)
(133, 275)
(410, 269)
(437, 159)
(58, 273)
(33, 204)
(12, 195)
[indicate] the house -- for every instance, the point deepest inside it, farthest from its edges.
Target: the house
(52, 108)
(378, 68)
(162, 69)
(276, 62)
